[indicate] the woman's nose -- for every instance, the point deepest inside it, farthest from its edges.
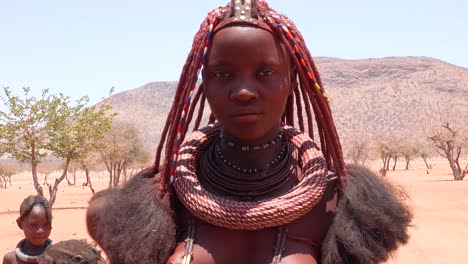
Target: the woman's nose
(244, 91)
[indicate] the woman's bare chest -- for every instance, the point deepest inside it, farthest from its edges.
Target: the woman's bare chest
(298, 242)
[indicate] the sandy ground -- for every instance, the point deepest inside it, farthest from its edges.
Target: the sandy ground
(440, 232)
(439, 235)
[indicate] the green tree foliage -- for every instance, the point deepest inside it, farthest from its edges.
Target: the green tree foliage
(24, 128)
(32, 127)
(75, 132)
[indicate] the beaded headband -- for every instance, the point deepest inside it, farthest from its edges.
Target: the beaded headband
(243, 12)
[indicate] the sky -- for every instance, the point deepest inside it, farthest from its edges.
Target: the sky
(86, 47)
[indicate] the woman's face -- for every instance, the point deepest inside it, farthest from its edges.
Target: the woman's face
(36, 226)
(247, 82)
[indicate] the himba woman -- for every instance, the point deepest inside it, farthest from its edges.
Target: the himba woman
(252, 186)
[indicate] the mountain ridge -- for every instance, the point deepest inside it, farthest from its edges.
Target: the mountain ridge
(366, 95)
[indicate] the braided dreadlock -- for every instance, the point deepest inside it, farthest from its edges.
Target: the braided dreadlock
(307, 87)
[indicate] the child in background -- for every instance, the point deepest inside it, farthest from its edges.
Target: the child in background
(36, 222)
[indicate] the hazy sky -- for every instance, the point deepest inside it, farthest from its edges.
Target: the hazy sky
(85, 47)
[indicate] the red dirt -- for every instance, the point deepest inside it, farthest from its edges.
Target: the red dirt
(439, 234)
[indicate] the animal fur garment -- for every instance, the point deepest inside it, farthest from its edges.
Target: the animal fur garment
(371, 220)
(136, 226)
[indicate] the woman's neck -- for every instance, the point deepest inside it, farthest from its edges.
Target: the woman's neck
(248, 156)
(259, 159)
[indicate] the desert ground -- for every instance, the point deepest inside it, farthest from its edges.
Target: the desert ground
(439, 233)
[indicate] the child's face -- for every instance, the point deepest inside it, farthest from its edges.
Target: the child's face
(247, 80)
(36, 226)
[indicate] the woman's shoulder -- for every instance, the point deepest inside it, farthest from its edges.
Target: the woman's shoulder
(9, 258)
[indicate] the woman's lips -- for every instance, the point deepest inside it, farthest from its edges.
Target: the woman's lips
(247, 116)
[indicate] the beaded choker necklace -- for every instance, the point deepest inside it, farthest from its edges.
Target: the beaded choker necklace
(223, 210)
(245, 184)
(234, 144)
(220, 156)
(28, 258)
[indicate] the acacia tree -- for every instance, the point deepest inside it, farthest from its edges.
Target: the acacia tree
(409, 150)
(33, 127)
(386, 146)
(24, 128)
(121, 145)
(47, 166)
(359, 149)
(385, 155)
(425, 151)
(89, 163)
(449, 141)
(75, 132)
(72, 169)
(140, 160)
(6, 171)
(394, 157)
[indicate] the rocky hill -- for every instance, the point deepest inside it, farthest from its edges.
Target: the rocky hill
(388, 94)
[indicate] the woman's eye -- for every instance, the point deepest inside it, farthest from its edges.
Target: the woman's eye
(263, 73)
(221, 74)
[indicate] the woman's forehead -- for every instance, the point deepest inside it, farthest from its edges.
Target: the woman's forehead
(249, 39)
(236, 28)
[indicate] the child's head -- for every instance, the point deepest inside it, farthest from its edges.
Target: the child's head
(71, 251)
(35, 219)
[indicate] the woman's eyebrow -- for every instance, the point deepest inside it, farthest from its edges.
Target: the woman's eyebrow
(228, 62)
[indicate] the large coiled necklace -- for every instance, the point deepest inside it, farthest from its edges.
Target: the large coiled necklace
(229, 212)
